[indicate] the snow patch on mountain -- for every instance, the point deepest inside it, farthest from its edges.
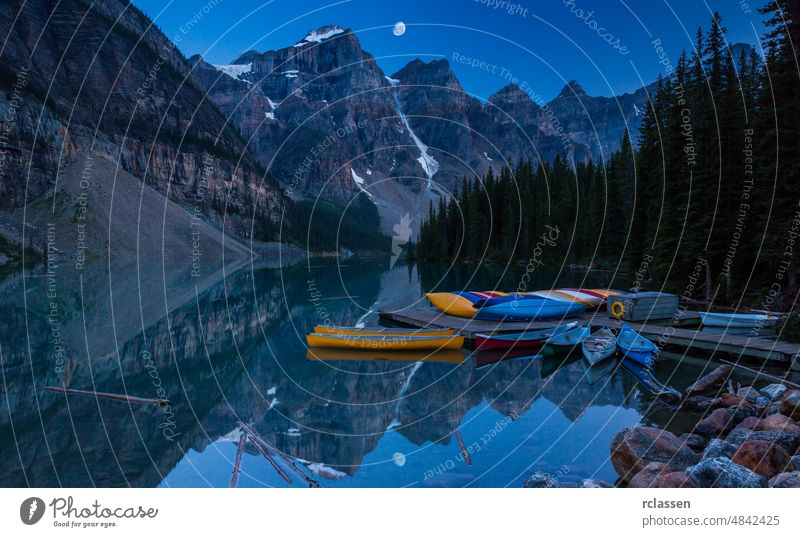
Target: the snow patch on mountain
(235, 71)
(359, 181)
(318, 36)
(429, 164)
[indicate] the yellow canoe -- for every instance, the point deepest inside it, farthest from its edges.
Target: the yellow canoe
(380, 331)
(325, 354)
(452, 304)
(385, 342)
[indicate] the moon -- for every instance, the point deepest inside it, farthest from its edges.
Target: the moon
(399, 28)
(399, 459)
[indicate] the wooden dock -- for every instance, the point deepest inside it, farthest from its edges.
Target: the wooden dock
(664, 335)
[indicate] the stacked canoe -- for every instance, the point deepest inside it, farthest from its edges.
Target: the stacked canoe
(532, 306)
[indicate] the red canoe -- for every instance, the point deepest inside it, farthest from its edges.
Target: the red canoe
(532, 339)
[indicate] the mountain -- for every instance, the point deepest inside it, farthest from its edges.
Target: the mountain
(323, 118)
(84, 82)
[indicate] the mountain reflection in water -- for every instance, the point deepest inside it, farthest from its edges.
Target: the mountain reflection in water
(235, 352)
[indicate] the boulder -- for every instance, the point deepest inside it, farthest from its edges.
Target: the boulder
(778, 422)
(713, 379)
(790, 404)
(748, 393)
(541, 480)
(673, 480)
(719, 448)
(721, 472)
(773, 392)
(595, 484)
(774, 408)
(717, 423)
(645, 477)
(700, 403)
(796, 461)
(728, 400)
(763, 458)
(785, 480)
(751, 422)
(762, 403)
(788, 440)
(695, 442)
(635, 447)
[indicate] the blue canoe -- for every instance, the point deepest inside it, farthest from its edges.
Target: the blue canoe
(636, 347)
(526, 308)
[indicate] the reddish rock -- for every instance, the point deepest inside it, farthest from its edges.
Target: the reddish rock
(716, 378)
(717, 423)
(673, 480)
(634, 448)
(785, 480)
(778, 422)
(728, 400)
(751, 422)
(790, 404)
(645, 477)
(764, 458)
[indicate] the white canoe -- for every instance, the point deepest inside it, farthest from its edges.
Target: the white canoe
(737, 320)
(599, 346)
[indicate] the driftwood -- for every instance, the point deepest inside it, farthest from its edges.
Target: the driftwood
(112, 396)
(464, 452)
(758, 373)
(237, 465)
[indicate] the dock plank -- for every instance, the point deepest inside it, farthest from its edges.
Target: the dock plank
(663, 334)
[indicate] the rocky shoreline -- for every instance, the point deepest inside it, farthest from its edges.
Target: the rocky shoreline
(746, 438)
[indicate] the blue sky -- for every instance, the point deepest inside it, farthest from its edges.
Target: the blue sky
(542, 43)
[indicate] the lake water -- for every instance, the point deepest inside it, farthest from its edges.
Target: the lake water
(234, 351)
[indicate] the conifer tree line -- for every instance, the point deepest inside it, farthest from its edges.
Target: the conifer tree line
(710, 192)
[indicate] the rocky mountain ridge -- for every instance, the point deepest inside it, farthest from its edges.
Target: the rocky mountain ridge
(406, 138)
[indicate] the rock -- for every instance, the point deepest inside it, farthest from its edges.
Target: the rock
(634, 447)
(721, 472)
(717, 423)
(700, 403)
(673, 480)
(774, 408)
(645, 477)
(785, 480)
(773, 392)
(751, 422)
(728, 400)
(796, 462)
(713, 379)
(762, 402)
(788, 440)
(719, 448)
(748, 393)
(763, 458)
(790, 404)
(695, 442)
(595, 484)
(778, 422)
(541, 480)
